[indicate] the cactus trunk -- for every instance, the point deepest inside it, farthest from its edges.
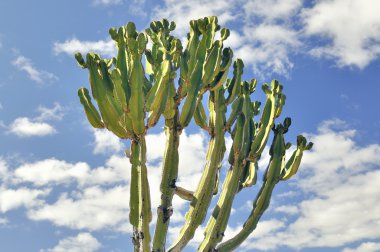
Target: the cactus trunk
(140, 210)
(169, 177)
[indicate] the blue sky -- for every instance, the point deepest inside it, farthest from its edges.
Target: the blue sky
(64, 186)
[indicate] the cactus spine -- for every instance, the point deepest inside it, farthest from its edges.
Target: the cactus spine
(131, 97)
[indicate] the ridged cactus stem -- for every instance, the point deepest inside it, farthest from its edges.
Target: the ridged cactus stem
(140, 209)
(204, 192)
(169, 177)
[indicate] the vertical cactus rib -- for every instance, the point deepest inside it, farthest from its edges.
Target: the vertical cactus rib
(204, 192)
(167, 187)
(140, 214)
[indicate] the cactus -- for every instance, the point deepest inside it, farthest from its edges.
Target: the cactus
(131, 96)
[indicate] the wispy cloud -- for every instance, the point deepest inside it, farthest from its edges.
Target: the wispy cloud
(47, 114)
(71, 46)
(35, 74)
(107, 2)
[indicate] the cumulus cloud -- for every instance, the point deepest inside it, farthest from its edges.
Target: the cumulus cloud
(83, 242)
(74, 45)
(351, 28)
(15, 198)
(26, 127)
(37, 75)
(37, 126)
(94, 208)
(55, 172)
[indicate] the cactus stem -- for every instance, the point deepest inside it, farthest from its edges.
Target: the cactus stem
(169, 176)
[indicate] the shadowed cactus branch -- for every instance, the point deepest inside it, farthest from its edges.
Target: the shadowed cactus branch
(163, 79)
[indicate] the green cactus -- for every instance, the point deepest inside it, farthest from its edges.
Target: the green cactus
(131, 96)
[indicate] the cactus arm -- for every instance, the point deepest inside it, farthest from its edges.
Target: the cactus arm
(266, 122)
(102, 91)
(204, 192)
(234, 86)
(200, 116)
(184, 194)
(192, 92)
(251, 177)
(161, 95)
(236, 110)
(90, 110)
(294, 161)
(169, 177)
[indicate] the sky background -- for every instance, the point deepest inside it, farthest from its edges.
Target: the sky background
(65, 186)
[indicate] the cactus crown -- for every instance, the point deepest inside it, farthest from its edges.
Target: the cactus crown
(132, 95)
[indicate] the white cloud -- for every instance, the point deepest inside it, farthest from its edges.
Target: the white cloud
(15, 198)
(352, 30)
(59, 172)
(83, 242)
(37, 75)
(29, 127)
(365, 247)
(51, 171)
(71, 46)
(93, 208)
(25, 127)
(106, 142)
